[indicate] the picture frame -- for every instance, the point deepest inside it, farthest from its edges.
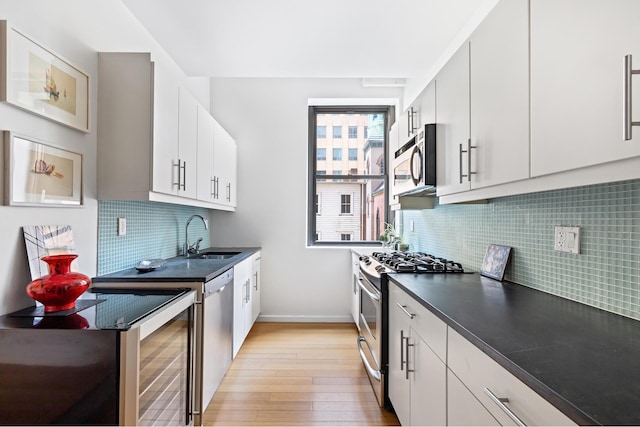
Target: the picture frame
(35, 79)
(38, 174)
(44, 240)
(495, 261)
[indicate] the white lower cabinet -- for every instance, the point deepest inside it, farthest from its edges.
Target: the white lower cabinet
(437, 377)
(256, 287)
(355, 289)
(491, 384)
(242, 320)
(463, 409)
(416, 373)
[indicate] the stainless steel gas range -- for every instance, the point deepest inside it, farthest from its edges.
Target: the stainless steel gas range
(373, 307)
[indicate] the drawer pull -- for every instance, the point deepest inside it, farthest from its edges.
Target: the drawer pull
(404, 309)
(500, 401)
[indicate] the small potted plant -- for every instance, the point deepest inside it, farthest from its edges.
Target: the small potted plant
(390, 237)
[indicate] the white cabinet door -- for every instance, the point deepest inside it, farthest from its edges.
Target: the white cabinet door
(165, 131)
(577, 60)
(256, 288)
(428, 384)
(463, 409)
(397, 377)
(187, 143)
(499, 85)
(425, 105)
(453, 124)
(224, 166)
(241, 303)
(204, 187)
(355, 289)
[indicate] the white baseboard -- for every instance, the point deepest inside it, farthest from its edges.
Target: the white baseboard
(302, 319)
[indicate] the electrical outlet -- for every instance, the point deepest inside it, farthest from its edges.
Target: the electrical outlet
(122, 226)
(567, 239)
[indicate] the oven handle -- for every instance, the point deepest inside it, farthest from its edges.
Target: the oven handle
(365, 288)
(375, 374)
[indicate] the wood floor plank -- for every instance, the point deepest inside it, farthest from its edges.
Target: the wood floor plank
(297, 374)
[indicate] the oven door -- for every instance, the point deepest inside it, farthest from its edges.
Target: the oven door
(370, 339)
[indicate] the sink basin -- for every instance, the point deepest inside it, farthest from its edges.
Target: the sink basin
(213, 255)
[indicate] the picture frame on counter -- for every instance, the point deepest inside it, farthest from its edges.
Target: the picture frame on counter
(35, 79)
(37, 174)
(495, 261)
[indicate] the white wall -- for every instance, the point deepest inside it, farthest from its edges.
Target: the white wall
(268, 119)
(75, 30)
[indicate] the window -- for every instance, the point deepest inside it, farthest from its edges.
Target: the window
(321, 132)
(347, 202)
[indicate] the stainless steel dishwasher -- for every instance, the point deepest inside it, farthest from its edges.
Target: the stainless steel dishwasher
(217, 333)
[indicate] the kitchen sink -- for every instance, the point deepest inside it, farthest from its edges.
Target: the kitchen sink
(213, 255)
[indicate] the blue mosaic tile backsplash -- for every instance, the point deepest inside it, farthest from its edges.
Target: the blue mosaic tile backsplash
(154, 230)
(606, 272)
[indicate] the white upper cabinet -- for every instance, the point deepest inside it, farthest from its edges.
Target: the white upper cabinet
(499, 87)
(577, 61)
(452, 130)
(206, 183)
(483, 105)
(155, 142)
(187, 143)
(165, 130)
(224, 166)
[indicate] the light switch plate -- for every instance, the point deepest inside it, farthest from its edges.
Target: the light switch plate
(122, 226)
(566, 239)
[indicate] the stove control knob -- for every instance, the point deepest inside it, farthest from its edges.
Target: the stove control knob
(363, 257)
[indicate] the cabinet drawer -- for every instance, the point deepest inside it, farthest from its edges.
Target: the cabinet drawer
(481, 373)
(426, 324)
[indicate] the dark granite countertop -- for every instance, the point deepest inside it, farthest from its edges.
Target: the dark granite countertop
(180, 269)
(583, 360)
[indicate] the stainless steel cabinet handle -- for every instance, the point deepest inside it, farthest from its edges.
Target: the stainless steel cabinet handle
(628, 117)
(212, 186)
(248, 290)
(468, 151)
(469, 158)
(460, 158)
(406, 352)
(375, 374)
(402, 338)
(179, 166)
(256, 285)
(184, 175)
(500, 401)
(404, 310)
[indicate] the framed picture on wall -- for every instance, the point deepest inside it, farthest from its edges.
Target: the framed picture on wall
(37, 80)
(39, 174)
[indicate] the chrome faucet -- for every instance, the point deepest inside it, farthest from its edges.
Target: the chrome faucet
(195, 248)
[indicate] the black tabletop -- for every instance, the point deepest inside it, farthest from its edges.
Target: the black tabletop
(584, 360)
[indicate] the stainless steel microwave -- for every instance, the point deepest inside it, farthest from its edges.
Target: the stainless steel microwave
(414, 164)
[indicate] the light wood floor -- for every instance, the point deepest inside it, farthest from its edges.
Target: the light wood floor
(297, 374)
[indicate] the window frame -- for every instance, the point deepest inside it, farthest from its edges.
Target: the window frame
(312, 176)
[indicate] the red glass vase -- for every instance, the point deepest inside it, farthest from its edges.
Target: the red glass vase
(59, 289)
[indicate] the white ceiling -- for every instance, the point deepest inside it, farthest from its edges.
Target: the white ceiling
(305, 38)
